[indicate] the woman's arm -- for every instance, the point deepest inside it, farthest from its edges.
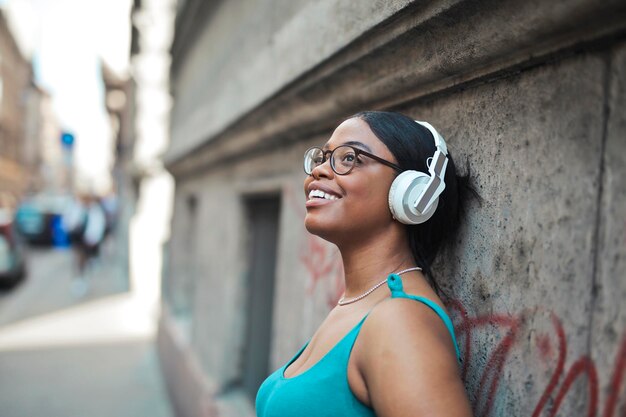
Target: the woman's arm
(408, 363)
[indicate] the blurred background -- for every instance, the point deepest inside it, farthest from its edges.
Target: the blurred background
(84, 205)
(153, 259)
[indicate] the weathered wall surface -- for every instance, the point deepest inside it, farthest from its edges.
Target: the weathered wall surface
(532, 95)
(607, 318)
(251, 49)
(523, 271)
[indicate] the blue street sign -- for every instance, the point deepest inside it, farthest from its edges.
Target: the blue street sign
(67, 139)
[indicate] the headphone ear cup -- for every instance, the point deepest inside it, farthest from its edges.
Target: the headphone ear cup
(403, 194)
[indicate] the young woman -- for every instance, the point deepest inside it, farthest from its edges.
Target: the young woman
(384, 190)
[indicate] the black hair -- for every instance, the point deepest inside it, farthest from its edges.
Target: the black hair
(412, 144)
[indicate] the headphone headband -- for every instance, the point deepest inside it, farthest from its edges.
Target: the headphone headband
(439, 142)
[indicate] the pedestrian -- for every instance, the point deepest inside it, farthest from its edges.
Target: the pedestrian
(384, 190)
(74, 218)
(111, 207)
(88, 244)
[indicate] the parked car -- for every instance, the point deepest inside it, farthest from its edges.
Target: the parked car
(12, 252)
(39, 218)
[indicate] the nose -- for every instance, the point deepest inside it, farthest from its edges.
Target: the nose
(323, 170)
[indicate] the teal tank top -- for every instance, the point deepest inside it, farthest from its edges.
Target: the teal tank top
(323, 390)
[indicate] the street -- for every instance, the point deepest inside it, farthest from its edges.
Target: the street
(65, 354)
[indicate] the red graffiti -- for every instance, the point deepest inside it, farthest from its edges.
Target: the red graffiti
(490, 377)
(554, 380)
(582, 366)
(321, 259)
(545, 347)
(323, 263)
(314, 256)
(560, 381)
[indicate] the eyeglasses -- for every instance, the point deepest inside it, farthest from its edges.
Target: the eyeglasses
(342, 159)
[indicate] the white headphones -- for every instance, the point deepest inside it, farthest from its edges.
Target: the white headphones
(414, 195)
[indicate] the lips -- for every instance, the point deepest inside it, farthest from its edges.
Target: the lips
(321, 194)
(319, 190)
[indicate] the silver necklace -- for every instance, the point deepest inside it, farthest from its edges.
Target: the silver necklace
(342, 301)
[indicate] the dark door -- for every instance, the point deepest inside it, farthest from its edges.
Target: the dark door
(263, 214)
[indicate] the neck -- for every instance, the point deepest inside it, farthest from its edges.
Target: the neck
(367, 262)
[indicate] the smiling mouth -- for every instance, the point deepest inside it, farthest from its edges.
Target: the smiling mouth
(321, 194)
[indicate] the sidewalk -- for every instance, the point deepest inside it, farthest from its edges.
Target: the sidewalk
(100, 380)
(66, 357)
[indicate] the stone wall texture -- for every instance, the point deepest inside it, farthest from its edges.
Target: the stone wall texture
(531, 98)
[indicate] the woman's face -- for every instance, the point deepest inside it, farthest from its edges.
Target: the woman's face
(358, 206)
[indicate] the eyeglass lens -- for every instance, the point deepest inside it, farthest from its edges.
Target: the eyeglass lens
(342, 159)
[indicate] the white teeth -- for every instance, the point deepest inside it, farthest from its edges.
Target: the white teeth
(321, 194)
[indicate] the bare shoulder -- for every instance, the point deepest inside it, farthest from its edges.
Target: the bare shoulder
(406, 355)
(408, 326)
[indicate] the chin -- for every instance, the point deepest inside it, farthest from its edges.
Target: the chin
(312, 226)
(335, 234)
(320, 229)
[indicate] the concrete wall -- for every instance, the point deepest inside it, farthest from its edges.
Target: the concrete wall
(251, 49)
(531, 94)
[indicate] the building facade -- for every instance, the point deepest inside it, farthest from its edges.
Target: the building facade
(49, 164)
(16, 92)
(531, 99)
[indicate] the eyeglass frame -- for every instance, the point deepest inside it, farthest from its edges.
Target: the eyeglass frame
(357, 152)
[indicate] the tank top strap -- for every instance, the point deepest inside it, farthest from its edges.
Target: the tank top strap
(395, 286)
(347, 343)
